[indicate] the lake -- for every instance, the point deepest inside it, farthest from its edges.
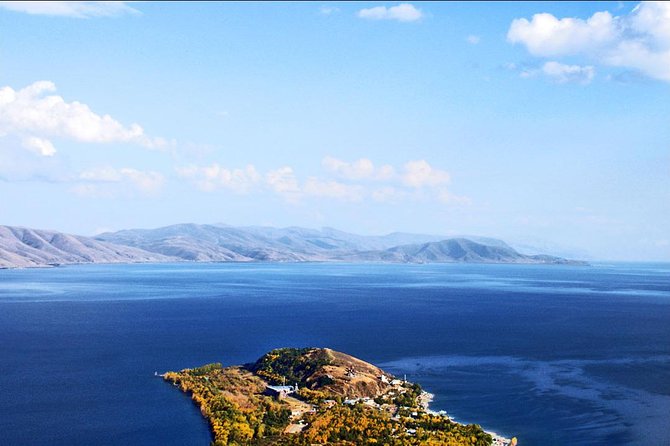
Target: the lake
(553, 354)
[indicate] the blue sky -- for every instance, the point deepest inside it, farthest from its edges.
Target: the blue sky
(539, 123)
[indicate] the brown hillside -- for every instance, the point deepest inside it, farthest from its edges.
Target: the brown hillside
(352, 378)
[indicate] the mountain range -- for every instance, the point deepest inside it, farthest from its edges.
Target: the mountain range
(24, 247)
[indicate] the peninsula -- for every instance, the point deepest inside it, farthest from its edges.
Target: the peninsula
(313, 396)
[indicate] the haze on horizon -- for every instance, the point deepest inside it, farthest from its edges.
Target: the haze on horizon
(537, 123)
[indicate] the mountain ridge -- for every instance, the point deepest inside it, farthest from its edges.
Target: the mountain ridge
(190, 242)
(25, 247)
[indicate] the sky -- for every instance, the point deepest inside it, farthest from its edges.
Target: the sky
(545, 124)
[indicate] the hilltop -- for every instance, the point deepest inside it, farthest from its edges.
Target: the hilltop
(324, 370)
(313, 396)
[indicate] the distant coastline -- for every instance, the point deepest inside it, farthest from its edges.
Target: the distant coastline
(24, 247)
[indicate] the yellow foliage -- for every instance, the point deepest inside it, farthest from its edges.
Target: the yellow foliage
(232, 400)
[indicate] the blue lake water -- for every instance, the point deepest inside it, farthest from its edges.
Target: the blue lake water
(552, 354)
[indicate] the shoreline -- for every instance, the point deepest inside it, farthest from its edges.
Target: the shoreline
(426, 398)
(315, 261)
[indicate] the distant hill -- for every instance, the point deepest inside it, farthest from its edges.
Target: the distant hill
(23, 247)
(221, 243)
(454, 250)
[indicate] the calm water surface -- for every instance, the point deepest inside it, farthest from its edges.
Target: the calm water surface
(553, 354)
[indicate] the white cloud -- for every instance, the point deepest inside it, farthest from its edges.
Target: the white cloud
(639, 40)
(209, 178)
(40, 146)
(653, 19)
(419, 173)
(545, 35)
(358, 170)
(348, 181)
(562, 73)
(404, 12)
(283, 182)
(332, 189)
(80, 10)
(35, 115)
(473, 40)
(147, 182)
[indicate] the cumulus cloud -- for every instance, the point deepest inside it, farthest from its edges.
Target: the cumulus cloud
(639, 40)
(360, 169)
(414, 177)
(420, 173)
(80, 10)
(37, 116)
(283, 182)
(404, 12)
(354, 181)
(545, 35)
(146, 182)
(562, 73)
(215, 176)
(40, 146)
